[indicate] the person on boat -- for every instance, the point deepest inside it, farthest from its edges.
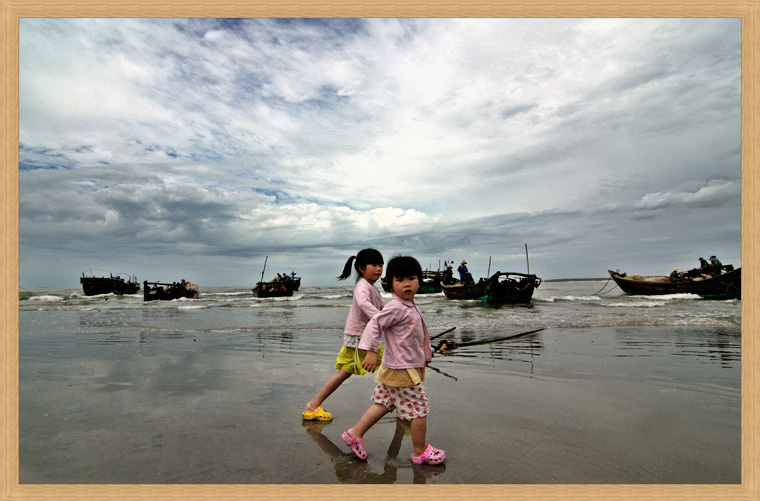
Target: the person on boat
(402, 371)
(675, 276)
(717, 266)
(367, 302)
(704, 266)
(448, 275)
(462, 270)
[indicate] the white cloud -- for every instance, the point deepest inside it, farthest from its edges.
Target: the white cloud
(245, 135)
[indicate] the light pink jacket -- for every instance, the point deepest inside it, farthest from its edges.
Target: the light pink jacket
(407, 341)
(366, 304)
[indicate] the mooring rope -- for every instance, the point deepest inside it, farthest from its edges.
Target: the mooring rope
(605, 285)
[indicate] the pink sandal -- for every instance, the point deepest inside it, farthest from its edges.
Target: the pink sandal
(430, 456)
(356, 444)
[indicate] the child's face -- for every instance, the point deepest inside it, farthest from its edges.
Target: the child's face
(372, 272)
(406, 287)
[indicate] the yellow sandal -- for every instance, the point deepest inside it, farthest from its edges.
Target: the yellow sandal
(318, 414)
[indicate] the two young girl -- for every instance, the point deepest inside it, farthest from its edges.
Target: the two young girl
(402, 370)
(367, 303)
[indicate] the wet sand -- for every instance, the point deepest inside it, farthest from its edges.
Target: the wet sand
(589, 406)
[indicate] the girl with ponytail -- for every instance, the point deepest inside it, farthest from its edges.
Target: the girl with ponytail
(367, 302)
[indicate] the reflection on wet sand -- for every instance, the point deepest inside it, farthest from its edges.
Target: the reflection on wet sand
(350, 470)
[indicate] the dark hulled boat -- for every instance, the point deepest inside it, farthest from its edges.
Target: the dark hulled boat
(93, 286)
(281, 286)
(724, 286)
(479, 290)
(164, 291)
(515, 288)
(276, 288)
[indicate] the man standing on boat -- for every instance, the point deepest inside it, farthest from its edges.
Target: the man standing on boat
(717, 266)
(462, 270)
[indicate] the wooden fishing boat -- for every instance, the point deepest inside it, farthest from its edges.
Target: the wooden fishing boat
(275, 288)
(165, 291)
(280, 286)
(458, 290)
(724, 286)
(515, 288)
(431, 282)
(93, 286)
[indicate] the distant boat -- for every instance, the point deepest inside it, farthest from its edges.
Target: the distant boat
(515, 288)
(431, 283)
(165, 291)
(93, 286)
(458, 290)
(276, 288)
(724, 286)
(281, 286)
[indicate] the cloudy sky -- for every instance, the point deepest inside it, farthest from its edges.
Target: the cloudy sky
(172, 148)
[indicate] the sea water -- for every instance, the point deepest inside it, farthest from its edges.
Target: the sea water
(565, 304)
(614, 389)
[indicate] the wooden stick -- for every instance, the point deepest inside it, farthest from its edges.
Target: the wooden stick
(451, 345)
(442, 333)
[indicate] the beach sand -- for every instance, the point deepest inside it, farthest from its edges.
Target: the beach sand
(563, 406)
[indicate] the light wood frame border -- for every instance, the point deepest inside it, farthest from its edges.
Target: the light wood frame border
(12, 10)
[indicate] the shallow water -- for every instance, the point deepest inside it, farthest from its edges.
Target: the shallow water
(615, 389)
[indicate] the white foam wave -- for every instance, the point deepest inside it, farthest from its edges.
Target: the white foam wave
(637, 304)
(46, 299)
(552, 299)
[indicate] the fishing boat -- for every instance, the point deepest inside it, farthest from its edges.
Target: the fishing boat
(514, 288)
(724, 286)
(431, 282)
(153, 291)
(275, 288)
(281, 286)
(479, 290)
(93, 286)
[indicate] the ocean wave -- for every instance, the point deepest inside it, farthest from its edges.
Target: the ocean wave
(552, 299)
(46, 299)
(637, 304)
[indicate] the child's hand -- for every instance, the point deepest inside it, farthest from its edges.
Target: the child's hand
(370, 361)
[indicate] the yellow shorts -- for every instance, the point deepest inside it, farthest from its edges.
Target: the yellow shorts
(345, 360)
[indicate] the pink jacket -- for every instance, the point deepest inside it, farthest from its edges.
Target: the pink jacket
(366, 304)
(407, 341)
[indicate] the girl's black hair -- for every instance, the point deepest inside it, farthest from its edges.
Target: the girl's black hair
(402, 267)
(363, 258)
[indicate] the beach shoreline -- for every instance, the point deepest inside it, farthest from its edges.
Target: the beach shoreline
(634, 405)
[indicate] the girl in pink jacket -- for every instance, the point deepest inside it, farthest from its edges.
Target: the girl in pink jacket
(402, 371)
(367, 303)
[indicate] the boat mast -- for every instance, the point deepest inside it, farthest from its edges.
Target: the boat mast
(489, 267)
(265, 268)
(526, 258)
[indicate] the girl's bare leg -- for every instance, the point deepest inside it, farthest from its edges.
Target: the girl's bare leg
(330, 386)
(419, 431)
(370, 417)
